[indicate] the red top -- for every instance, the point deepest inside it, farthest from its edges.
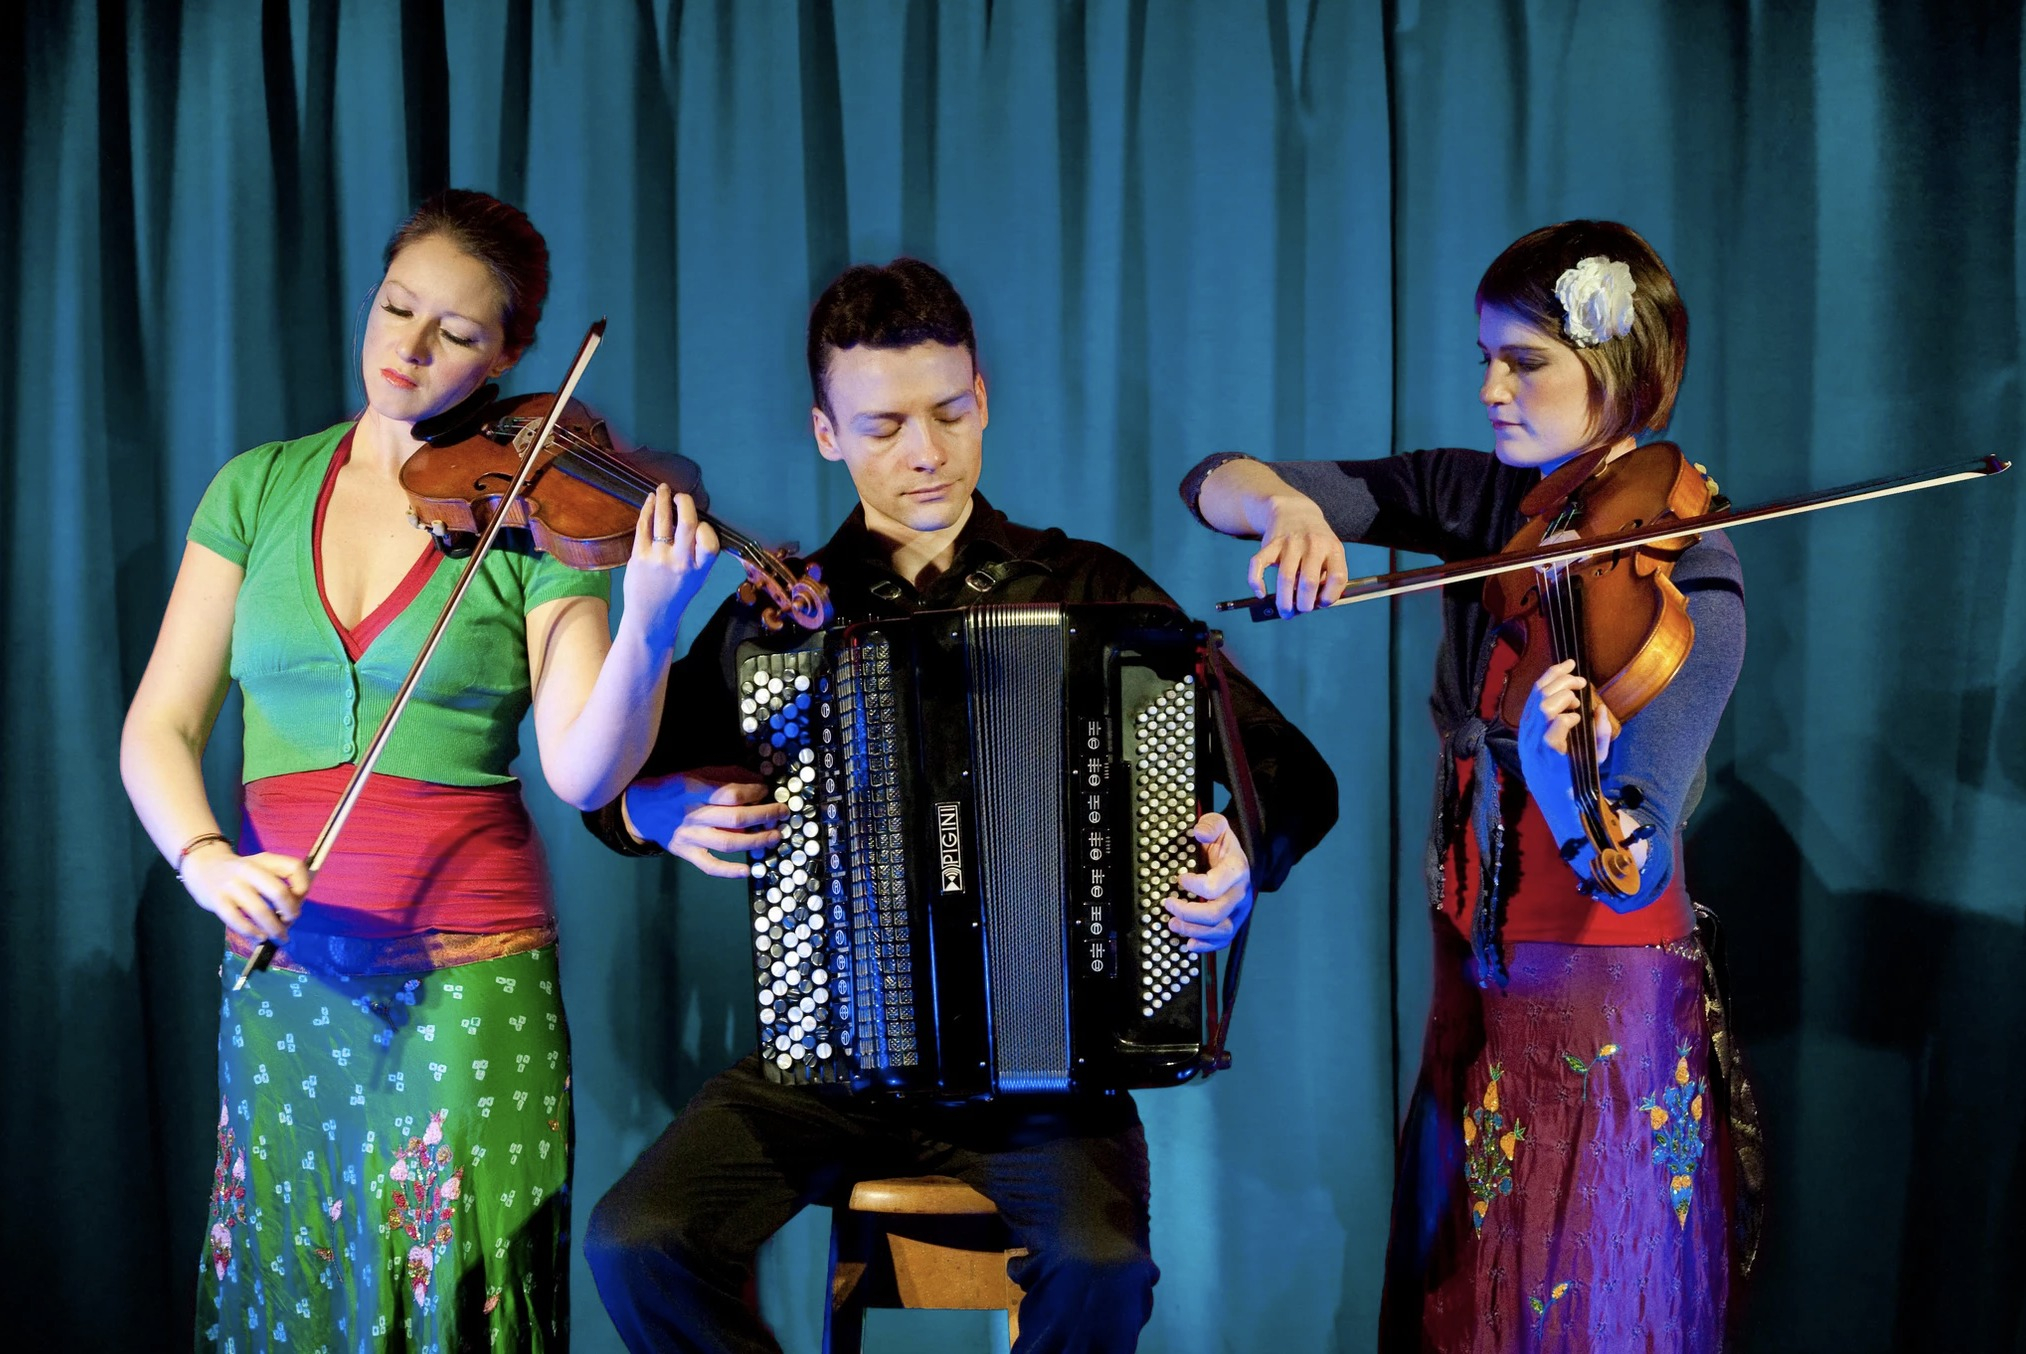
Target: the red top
(1547, 904)
(415, 858)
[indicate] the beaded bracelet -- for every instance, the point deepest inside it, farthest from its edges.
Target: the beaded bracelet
(199, 840)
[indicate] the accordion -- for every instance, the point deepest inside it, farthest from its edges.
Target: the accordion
(986, 809)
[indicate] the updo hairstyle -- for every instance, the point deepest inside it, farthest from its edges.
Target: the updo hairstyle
(498, 235)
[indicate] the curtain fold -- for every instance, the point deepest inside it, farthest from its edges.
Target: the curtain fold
(1182, 228)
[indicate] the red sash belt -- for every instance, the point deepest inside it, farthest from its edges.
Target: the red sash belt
(414, 858)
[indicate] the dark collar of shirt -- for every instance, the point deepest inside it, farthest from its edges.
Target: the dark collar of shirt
(995, 561)
(858, 568)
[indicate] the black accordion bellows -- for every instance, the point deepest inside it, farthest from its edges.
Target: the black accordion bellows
(987, 808)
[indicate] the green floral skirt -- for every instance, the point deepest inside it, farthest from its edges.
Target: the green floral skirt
(393, 1162)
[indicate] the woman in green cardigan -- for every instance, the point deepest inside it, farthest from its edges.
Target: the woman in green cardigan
(394, 1120)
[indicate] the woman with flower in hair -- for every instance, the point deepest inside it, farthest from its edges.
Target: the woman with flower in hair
(1564, 1177)
(394, 1123)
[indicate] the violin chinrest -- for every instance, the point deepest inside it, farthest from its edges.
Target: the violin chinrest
(459, 421)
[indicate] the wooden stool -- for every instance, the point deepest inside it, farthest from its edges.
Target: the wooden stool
(925, 1241)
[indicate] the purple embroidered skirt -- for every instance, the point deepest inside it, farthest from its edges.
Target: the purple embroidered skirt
(1564, 1169)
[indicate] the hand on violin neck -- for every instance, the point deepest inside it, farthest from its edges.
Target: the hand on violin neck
(1554, 711)
(672, 555)
(1547, 728)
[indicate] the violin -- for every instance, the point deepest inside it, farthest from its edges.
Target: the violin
(1617, 614)
(582, 500)
(486, 453)
(1587, 578)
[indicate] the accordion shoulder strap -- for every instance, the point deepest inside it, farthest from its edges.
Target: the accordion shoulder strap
(1245, 810)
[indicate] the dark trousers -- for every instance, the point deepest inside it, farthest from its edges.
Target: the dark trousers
(672, 1244)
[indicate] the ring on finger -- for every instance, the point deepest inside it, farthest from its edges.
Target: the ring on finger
(664, 540)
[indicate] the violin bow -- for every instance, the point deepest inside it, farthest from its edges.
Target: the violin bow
(327, 838)
(1462, 571)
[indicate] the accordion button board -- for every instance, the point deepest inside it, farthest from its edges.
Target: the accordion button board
(1163, 753)
(986, 812)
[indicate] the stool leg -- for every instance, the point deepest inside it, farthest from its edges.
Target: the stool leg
(844, 1330)
(843, 1318)
(857, 1278)
(1013, 1296)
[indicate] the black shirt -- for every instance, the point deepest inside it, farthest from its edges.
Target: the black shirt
(997, 561)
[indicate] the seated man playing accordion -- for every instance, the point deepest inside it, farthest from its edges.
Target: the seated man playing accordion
(899, 400)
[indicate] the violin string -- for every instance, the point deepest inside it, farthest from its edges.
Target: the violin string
(1584, 734)
(588, 450)
(1559, 609)
(1603, 814)
(1593, 774)
(739, 543)
(1551, 611)
(585, 449)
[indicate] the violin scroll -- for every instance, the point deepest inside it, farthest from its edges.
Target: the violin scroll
(804, 600)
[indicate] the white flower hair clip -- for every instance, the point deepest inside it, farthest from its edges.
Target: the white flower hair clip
(1596, 297)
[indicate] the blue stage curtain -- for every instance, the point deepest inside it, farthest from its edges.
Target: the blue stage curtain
(1182, 228)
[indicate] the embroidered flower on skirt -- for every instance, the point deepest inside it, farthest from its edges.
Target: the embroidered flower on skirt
(402, 1149)
(1676, 1119)
(228, 1195)
(1583, 1069)
(1488, 1151)
(1531, 1210)
(1543, 1304)
(425, 1200)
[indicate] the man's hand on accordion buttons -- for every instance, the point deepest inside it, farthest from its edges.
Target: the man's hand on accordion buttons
(1215, 903)
(693, 814)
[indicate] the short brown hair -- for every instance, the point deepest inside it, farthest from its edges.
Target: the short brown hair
(498, 235)
(1633, 379)
(894, 305)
